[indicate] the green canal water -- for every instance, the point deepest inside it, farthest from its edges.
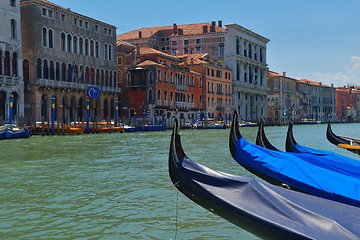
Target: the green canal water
(116, 186)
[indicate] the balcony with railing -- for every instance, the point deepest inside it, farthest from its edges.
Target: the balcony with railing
(72, 86)
(9, 81)
(181, 88)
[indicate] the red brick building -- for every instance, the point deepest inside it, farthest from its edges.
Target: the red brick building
(217, 84)
(345, 103)
(158, 85)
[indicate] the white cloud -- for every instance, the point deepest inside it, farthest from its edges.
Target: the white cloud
(350, 75)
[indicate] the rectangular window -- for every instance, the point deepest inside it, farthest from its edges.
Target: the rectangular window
(221, 50)
(110, 32)
(80, 23)
(105, 31)
(173, 43)
(86, 25)
(186, 51)
(186, 42)
(50, 14)
(119, 60)
(62, 17)
(96, 28)
(44, 12)
(198, 49)
(75, 21)
(198, 41)
(12, 3)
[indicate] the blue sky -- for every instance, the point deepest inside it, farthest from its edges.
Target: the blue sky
(312, 39)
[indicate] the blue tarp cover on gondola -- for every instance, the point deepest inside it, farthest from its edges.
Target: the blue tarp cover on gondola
(268, 211)
(299, 174)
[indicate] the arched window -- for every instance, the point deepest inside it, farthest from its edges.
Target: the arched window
(52, 70)
(51, 38)
(238, 71)
(92, 74)
(75, 44)
(13, 28)
(106, 51)
(150, 98)
(102, 77)
(1, 61)
(46, 70)
(110, 80)
(237, 46)
(38, 68)
(7, 64)
(63, 72)
(97, 77)
(26, 73)
(92, 48)
(57, 72)
(87, 74)
(69, 41)
(81, 45)
(44, 36)
(14, 64)
(110, 53)
(106, 78)
(86, 47)
(63, 41)
(150, 78)
(97, 50)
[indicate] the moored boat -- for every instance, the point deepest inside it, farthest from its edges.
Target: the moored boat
(11, 131)
(268, 211)
(347, 143)
(288, 169)
(325, 159)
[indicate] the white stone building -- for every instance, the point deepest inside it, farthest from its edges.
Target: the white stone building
(245, 54)
(11, 80)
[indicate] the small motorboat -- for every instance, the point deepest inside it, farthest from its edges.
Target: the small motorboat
(265, 210)
(11, 131)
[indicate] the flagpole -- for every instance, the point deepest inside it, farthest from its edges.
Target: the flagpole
(87, 115)
(53, 115)
(11, 103)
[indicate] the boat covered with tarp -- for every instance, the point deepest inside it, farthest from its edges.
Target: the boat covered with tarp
(268, 211)
(324, 159)
(347, 143)
(287, 169)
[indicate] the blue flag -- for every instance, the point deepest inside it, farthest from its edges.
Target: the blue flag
(93, 92)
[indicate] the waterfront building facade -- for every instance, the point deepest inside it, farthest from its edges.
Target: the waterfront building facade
(240, 49)
(217, 87)
(68, 59)
(284, 102)
(302, 100)
(159, 87)
(347, 103)
(245, 54)
(320, 103)
(11, 79)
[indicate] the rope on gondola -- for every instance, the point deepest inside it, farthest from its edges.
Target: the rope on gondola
(176, 214)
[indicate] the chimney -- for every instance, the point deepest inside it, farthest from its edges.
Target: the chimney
(140, 34)
(205, 29)
(180, 31)
(137, 50)
(212, 27)
(175, 28)
(220, 23)
(284, 74)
